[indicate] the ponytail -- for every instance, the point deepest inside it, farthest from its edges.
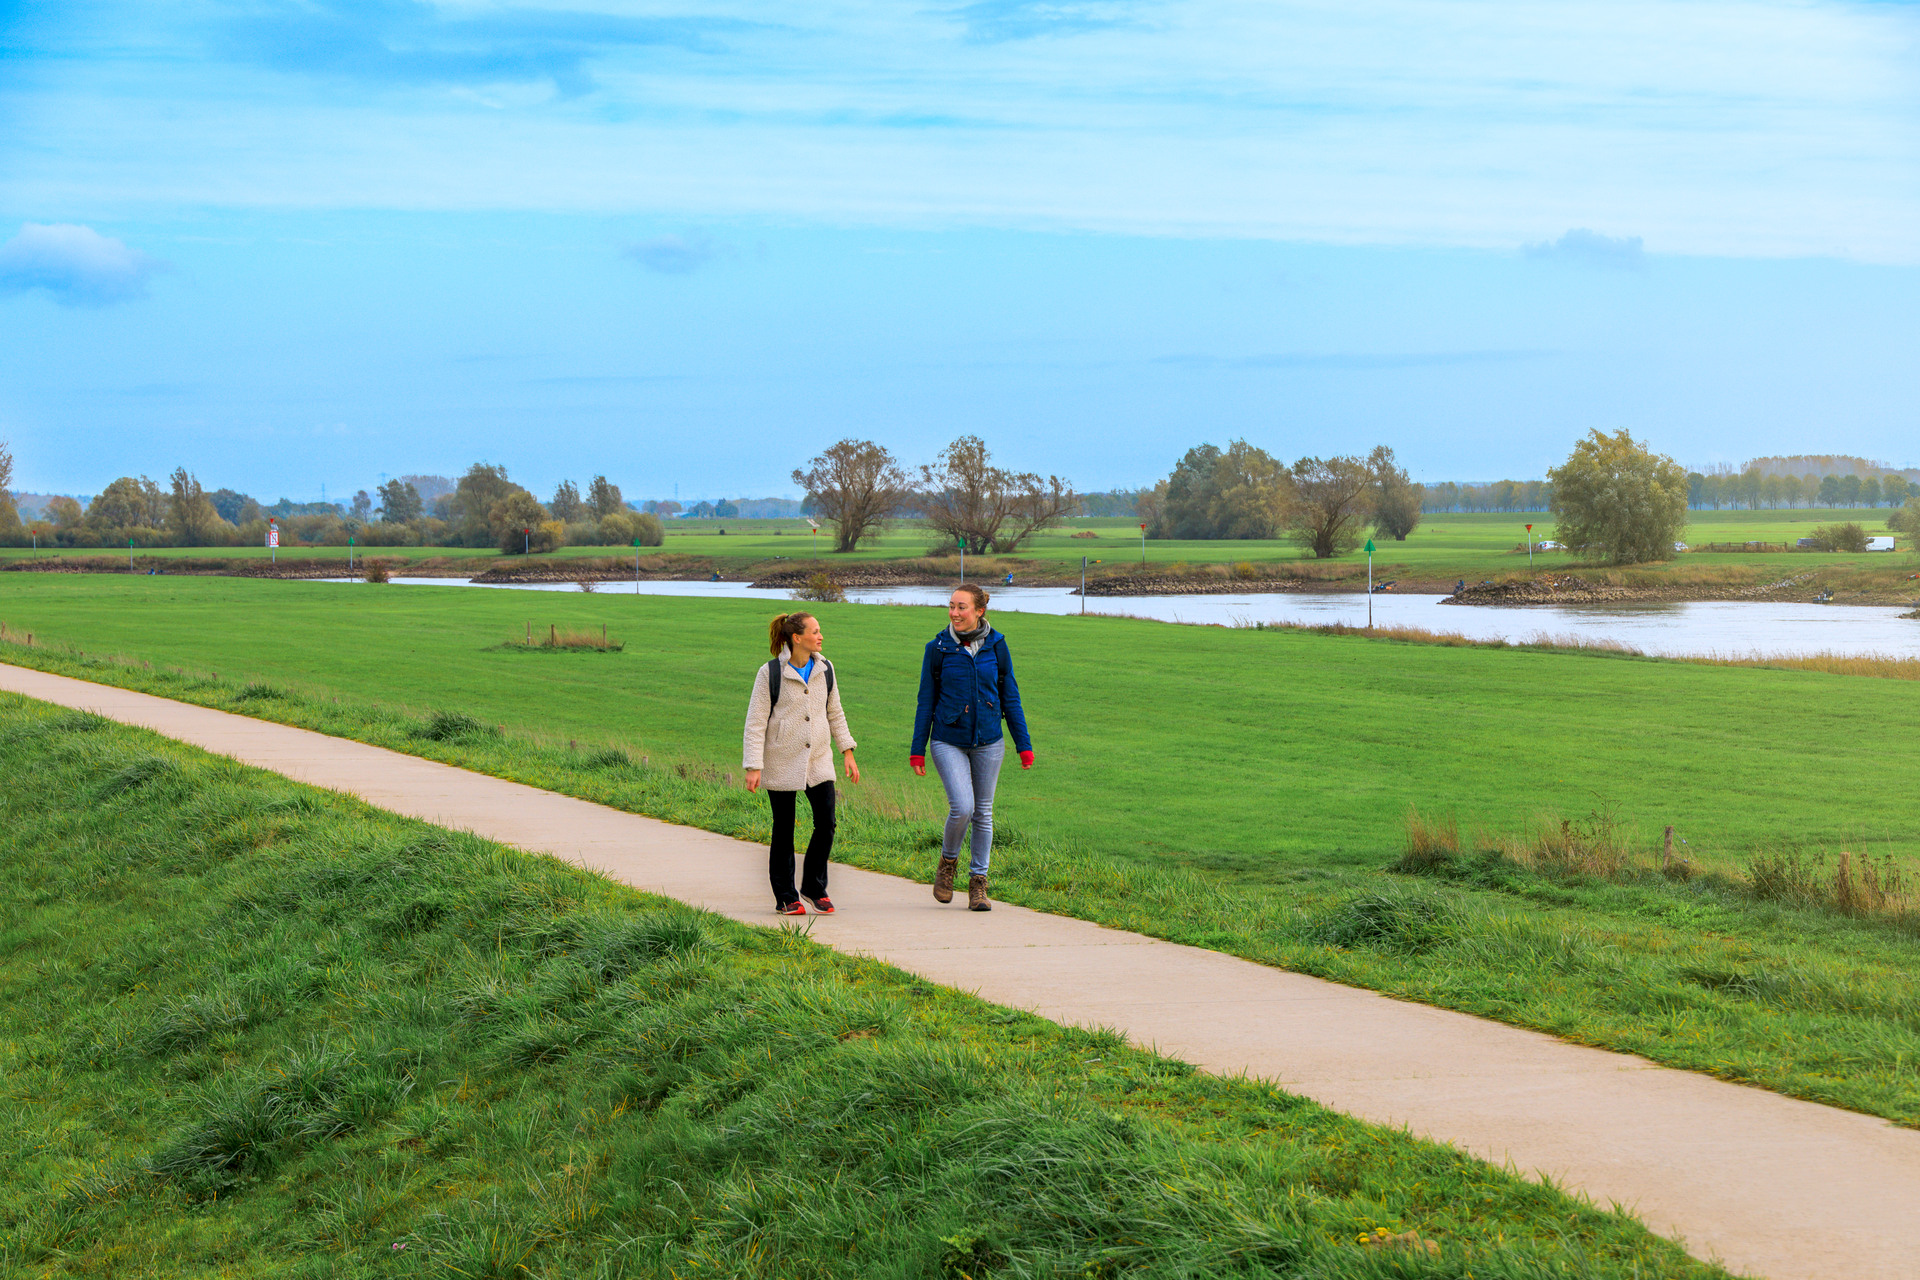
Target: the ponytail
(783, 628)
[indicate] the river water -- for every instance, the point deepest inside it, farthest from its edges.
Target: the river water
(1723, 628)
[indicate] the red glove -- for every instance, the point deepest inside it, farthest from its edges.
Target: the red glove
(1026, 759)
(918, 762)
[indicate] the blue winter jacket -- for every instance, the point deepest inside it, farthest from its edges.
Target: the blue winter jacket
(964, 696)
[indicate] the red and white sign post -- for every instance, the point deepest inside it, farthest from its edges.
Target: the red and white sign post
(1143, 546)
(1529, 546)
(273, 539)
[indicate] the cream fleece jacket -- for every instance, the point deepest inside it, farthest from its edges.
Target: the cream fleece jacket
(794, 751)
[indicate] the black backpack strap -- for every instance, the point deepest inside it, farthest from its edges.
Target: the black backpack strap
(774, 682)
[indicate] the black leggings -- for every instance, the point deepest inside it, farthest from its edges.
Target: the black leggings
(813, 877)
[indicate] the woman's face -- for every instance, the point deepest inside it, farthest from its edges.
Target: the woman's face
(962, 612)
(809, 640)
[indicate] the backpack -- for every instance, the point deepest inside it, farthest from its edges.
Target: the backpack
(774, 682)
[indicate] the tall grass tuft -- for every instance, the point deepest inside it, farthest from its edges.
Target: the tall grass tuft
(454, 726)
(1594, 847)
(1861, 887)
(1400, 922)
(1430, 842)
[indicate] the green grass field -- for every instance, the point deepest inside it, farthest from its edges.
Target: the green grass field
(1223, 746)
(1472, 546)
(1239, 790)
(254, 1029)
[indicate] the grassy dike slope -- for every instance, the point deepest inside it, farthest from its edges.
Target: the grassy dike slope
(250, 1028)
(1288, 836)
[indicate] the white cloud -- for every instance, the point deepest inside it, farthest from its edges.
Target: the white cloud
(1735, 127)
(77, 265)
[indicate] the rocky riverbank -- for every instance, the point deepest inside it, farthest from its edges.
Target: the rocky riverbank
(1810, 587)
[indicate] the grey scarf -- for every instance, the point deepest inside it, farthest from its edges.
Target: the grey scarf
(971, 640)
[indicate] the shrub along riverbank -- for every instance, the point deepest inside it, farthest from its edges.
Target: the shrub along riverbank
(252, 1028)
(1249, 797)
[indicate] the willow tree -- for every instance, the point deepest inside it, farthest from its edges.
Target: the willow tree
(1333, 500)
(857, 485)
(1617, 501)
(1397, 500)
(964, 497)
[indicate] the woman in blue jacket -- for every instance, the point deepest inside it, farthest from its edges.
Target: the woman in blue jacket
(966, 689)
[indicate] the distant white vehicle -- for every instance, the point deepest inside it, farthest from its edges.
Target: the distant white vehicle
(1681, 546)
(1548, 546)
(1879, 544)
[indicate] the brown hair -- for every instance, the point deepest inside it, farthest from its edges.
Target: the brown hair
(979, 596)
(784, 628)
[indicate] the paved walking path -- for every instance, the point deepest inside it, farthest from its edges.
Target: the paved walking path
(1771, 1186)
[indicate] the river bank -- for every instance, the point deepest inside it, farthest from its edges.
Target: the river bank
(1884, 583)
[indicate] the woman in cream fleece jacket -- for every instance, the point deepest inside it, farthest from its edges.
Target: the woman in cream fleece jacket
(787, 748)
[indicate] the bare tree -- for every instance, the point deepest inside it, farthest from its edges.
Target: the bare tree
(970, 500)
(1037, 504)
(1396, 499)
(1333, 499)
(857, 485)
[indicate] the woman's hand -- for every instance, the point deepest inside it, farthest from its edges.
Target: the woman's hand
(853, 770)
(919, 764)
(1026, 759)
(753, 779)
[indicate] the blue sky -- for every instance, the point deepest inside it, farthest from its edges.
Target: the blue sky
(300, 243)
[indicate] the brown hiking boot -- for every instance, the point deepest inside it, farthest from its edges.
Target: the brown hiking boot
(977, 894)
(943, 879)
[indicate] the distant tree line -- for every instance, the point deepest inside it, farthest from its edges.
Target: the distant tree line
(484, 507)
(1755, 488)
(1493, 495)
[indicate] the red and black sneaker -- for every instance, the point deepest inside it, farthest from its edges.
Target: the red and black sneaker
(822, 905)
(793, 908)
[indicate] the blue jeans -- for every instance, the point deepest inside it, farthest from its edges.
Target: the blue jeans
(969, 775)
